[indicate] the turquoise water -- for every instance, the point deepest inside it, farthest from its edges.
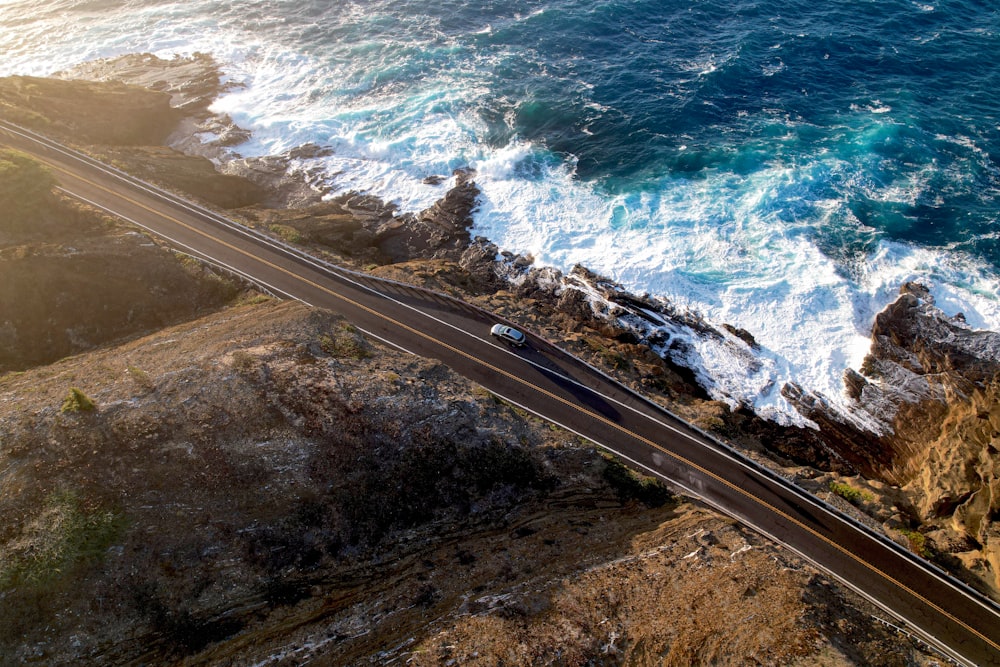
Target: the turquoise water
(776, 164)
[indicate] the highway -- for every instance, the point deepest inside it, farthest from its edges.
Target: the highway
(552, 384)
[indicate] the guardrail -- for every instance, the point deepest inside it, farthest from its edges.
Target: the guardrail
(916, 638)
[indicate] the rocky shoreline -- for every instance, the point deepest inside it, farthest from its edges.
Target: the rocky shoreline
(921, 448)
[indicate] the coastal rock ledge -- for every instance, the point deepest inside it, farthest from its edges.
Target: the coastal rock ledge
(930, 385)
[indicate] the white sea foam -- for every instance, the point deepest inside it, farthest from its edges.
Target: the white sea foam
(721, 255)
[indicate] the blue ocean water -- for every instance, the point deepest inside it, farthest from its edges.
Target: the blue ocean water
(781, 165)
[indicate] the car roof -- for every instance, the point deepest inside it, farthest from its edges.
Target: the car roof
(503, 328)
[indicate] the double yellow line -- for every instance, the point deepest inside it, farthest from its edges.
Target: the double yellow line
(416, 332)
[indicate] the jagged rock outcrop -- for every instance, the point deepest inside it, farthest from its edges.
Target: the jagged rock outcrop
(922, 366)
(130, 125)
(930, 389)
(192, 83)
(368, 230)
(185, 174)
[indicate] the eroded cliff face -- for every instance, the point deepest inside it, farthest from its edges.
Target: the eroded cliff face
(931, 387)
(924, 374)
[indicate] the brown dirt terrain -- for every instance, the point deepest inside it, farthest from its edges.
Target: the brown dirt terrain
(266, 484)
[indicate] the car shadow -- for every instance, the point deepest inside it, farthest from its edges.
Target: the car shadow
(582, 394)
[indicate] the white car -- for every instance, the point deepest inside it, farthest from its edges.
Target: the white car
(509, 335)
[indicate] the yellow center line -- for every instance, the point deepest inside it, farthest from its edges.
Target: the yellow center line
(566, 402)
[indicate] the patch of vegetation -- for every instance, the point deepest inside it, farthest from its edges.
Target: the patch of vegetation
(710, 423)
(4, 377)
(140, 377)
(66, 535)
(49, 557)
(243, 362)
(629, 485)
(254, 298)
(188, 262)
(77, 401)
(608, 356)
(24, 185)
(917, 541)
(484, 394)
(287, 233)
(345, 342)
(850, 494)
(27, 117)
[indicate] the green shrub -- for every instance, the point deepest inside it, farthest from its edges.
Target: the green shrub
(140, 377)
(850, 494)
(188, 262)
(24, 185)
(243, 362)
(254, 298)
(287, 233)
(710, 423)
(345, 343)
(64, 536)
(918, 542)
(616, 360)
(630, 486)
(77, 401)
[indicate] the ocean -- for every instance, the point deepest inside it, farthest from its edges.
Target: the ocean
(779, 165)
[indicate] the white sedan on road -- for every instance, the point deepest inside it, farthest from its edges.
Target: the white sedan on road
(509, 335)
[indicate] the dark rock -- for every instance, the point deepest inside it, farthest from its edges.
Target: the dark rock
(441, 231)
(309, 152)
(918, 290)
(192, 83)
(227, 133)
(854, 383)
(188, 173)
(914, 335)
(743, 335)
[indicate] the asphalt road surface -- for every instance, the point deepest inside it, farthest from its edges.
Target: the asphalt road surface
(550, 383)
